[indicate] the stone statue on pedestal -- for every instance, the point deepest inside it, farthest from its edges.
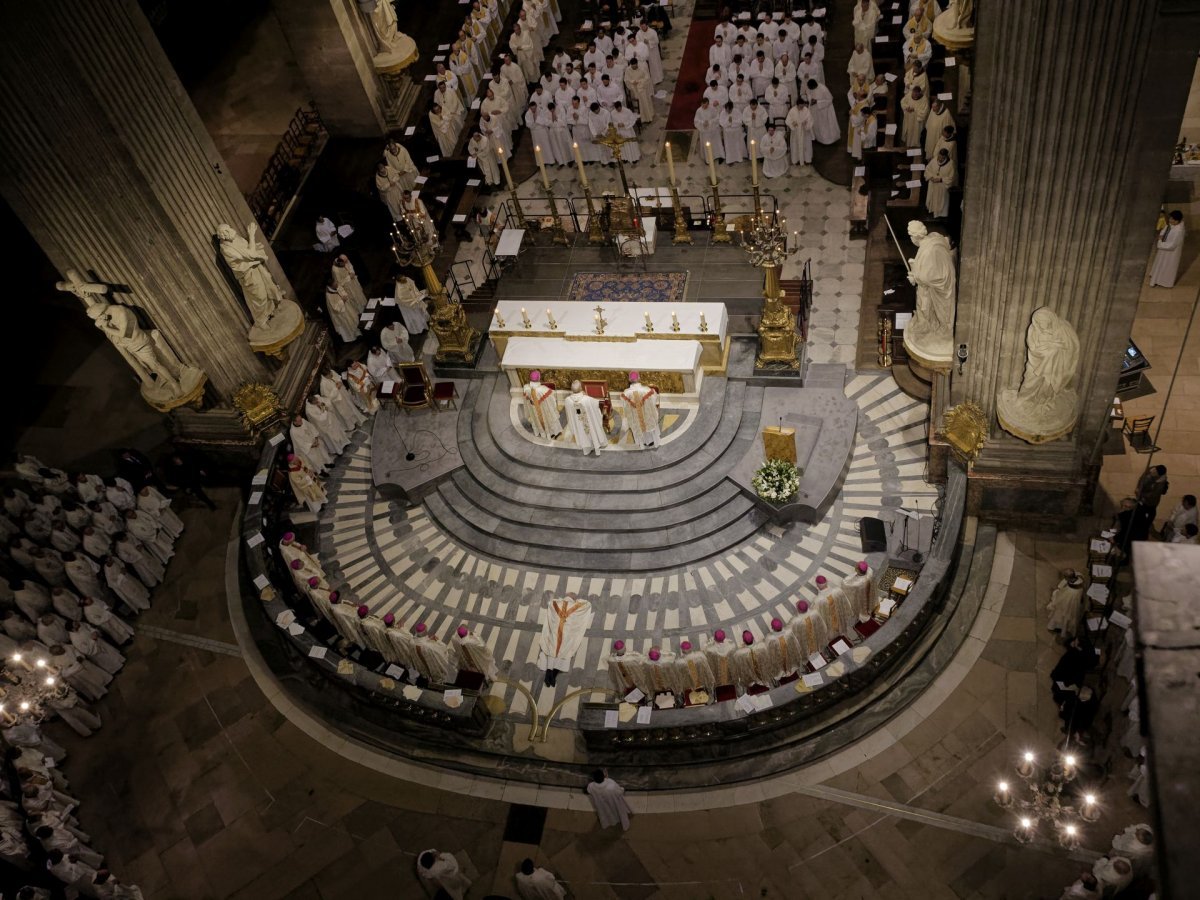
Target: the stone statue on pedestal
(277, 320)
(1043, 408)
(166, 382)
(392, 41)
(929, 337)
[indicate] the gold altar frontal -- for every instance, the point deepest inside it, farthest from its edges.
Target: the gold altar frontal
(779, 443)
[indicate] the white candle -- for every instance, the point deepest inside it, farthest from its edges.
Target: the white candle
(537, 154)
(753, 163)
(579, 163)
(712, 167)
(670, 164)
(674, 318)
(647, 315)
(703, 323)
(504, 165)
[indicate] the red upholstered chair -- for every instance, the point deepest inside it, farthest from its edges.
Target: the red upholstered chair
(415, 391)
(445, 395)
(599, 390)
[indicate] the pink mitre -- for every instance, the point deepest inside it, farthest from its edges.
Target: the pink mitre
(288, 536)
(389, 619)
(333, 597)
(535, 375)
(296, 563)
(313, 581)
(862, 567)
(462, 630)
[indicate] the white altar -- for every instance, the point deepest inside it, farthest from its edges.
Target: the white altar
(673, 360)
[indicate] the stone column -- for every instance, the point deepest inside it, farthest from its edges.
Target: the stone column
(334, 48)
(1076, 109)
(107, 164)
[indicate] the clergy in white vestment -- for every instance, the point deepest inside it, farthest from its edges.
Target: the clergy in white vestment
(754, 117)
(733, 134)
(347, 621)
(707, 122)
(401, 163)
(337, 396)
(1063, 610)
(98, 613)
(134, 555)
(775, 154)
(1168, 250)
(90, 644)
(306, 487)
(291, 550)
(51, 629)
(445, 129)
(598, 121)
(307, 444)
(416, 211)
(761, 70)
(625, 119)
(504, 94)
(327, 235)
(649, 37)
(834, 607)
(866, 20)
(375, 633)
(379, 364)
(565, 621)
(432, 658)
(918, 47)
(1136, 844)
(332, 431)
(47, 563)
(558, 130)
(1114, 874)
(541, 408)
(935, 124)
(522, 47)
(411, 302)
(394, 340)
(471, 653)
(940, 176)
(720, 657)
(740, 94)
(119, 493)
(783, 650)
(585, 420)
(816, 49)
(861, 64)
(826, 129)
(152, 502)
(626, 669)
(343, 275)
(860, 590)
(84, 575)
(390, 189)
(641, 412)
(640, 88)
(692, 672)
(440, 872)
(915, 107)
(63, 539)
(511, 71)
(809, 629)
(341, 314)
(534, 883)
(608, 799)
(800, 134)
(610, 93)
(362, 388)
(786, 73)
(86, 677)
(495, 107)
(484, 153)
(778, 100)
(747, 664)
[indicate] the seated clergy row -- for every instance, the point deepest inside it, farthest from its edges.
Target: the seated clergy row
(763, 663)
(417, 650)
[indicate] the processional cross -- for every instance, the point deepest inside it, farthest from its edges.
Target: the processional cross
(613, 140)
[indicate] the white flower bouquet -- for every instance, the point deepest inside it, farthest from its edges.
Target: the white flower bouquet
(777, 481)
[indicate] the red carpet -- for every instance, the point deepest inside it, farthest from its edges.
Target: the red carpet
(689, 88)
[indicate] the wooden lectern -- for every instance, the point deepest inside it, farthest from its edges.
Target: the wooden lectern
(779, 443)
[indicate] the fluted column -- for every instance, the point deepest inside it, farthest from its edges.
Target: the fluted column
(106, 162)
(1076, 108)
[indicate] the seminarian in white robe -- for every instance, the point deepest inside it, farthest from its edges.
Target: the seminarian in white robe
(342, 315)
(410, 300)
(915, 107)
(440, 872)
(641, 90)
(585, 421)
(625, 119)
(394, 340)
(307, 444)
(707, 123)
(379, 364)
(775, 154)
(641, 412)
(485, 156)
(800, 134)
(541, 409)
(608, 798)
(537, 883)
(332, 432)
(336, 395)
(126, 585)
(940, 176)
(826, 129)
(152, 502)
(1169, 249)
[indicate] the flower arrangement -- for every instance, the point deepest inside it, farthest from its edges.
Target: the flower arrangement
(776, 481)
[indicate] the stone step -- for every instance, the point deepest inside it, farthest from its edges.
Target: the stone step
(587, 520)
(646, 558)
(700, 432)
(523, 473)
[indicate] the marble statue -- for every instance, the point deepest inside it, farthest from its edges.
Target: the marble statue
(277, 320)
(1043, 408)
(929, 337)
(392, 40)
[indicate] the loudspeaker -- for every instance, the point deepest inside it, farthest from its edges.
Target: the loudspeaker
(872, 535)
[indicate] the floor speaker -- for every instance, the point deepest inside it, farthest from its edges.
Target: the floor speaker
(872, 535)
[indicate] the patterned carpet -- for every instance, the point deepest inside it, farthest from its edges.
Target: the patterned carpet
(616, 287)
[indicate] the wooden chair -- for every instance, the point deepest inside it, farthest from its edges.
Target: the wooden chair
(1138, 432)
(445, 395)
(415, 390)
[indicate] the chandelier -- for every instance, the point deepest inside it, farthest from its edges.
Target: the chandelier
(1044, 801)
(27, 687)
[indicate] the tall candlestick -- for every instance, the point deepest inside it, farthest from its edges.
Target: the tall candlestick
(753, 163)
(670, 164)
(504, 165)
(579, 163)
(712, 167)
(537, 154)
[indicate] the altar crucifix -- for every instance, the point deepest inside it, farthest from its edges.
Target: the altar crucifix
(600, 320)
(614, 142)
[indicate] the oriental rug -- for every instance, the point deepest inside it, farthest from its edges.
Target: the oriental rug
(628, 287)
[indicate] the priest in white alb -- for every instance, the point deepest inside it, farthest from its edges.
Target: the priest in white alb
(472, 653)
(565, 621)
(333, 433)
(541, 408)
(394, 340)
(585, 420)
(826, 129)
(308, 445)
(306, 487)
(334, 393)
(774, 153)
(641, 412)
(411, 303)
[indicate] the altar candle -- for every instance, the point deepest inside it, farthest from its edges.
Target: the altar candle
(647, 315)
(712, 167)
(579, 163)
(753, 163)
(504, 165)
(670, 164)
(703, 323)
(537, 154)
(674, 319)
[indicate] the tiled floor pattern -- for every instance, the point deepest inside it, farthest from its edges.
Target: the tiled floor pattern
(398, 561)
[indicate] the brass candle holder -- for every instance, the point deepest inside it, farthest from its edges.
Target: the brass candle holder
(720, 235)
(557, 234)
(499, 319)
(649, 324)
(517, 206)
(681, 232)
(550, 320)
(525, 318)
(595, 232)
(704, 322)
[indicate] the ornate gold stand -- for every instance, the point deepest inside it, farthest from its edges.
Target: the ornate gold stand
(457, 340)
(557, 234)
(777, 329)
(595, 232)
(259, 407)
(517, 206)
(720, 235)
(681, 232)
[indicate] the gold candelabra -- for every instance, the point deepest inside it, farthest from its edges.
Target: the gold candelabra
(557, 234)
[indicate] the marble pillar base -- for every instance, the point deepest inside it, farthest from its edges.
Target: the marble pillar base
(285, 326)
(189, 393)
(1037, 423)
(1035, 502)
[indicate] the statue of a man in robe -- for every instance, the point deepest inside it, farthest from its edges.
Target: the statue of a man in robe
(387, 31)
(151, 362)
(1043, 407)
(930, 334)
(248, 260)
